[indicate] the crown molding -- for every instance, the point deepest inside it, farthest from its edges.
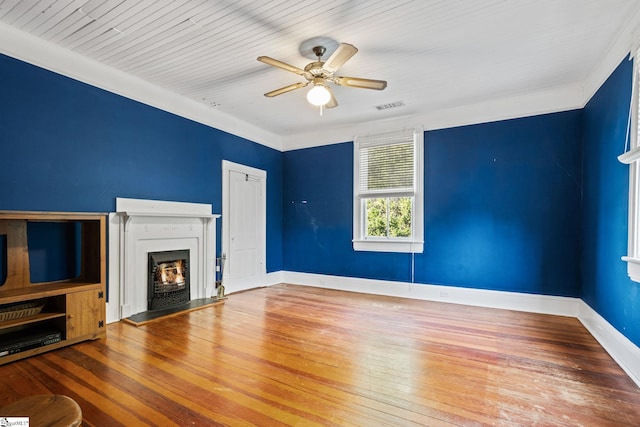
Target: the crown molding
(35, 51)
(625, 42)
(531, 104)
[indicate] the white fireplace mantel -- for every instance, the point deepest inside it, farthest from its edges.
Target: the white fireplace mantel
(141, 226)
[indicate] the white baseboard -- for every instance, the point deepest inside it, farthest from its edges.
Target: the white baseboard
(274, 278)
(545, 304)
(268, 279)
(621, 349)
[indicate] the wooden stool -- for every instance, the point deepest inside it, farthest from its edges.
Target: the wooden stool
(46, 411)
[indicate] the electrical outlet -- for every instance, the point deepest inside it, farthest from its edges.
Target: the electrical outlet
(444, 294)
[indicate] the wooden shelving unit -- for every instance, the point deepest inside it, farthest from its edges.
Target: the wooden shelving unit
(73, 307)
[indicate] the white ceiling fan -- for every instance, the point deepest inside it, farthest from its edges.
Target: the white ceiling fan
(320, 74)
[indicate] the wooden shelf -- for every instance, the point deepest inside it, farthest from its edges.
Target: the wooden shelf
(30, 319)
(50, 216)
(17, 356)
(75, 307)
(45, 290)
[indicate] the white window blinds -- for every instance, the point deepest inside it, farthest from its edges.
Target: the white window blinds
(387, 163)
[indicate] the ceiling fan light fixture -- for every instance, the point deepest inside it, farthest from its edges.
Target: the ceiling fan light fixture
(319, 74)
(318, 95)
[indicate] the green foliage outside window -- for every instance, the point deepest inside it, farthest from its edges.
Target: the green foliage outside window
(389, 217)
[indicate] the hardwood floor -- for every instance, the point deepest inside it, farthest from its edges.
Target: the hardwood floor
(294, 355)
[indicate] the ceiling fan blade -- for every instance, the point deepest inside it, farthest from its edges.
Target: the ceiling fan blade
(337, 59)
(332, 101)
(360, 83)
(279, 64)
(285, 89)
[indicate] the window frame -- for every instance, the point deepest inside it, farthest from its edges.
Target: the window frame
(632, 158)
(412, 244)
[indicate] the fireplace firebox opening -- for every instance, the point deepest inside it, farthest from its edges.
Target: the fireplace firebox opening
(168, 279)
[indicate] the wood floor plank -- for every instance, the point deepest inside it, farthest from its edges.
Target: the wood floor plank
(296, 355)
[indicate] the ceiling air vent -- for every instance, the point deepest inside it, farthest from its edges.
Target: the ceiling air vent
(390, 105)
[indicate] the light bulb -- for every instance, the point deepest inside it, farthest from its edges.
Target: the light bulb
(318, 95)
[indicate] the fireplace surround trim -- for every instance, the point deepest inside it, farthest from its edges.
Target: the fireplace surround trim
(139, 226)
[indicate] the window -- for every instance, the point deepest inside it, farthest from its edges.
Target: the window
(387, 188)
(632, 158)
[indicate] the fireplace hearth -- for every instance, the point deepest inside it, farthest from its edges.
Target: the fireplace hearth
(168, 279)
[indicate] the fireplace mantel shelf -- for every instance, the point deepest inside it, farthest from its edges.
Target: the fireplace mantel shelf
(169, 214)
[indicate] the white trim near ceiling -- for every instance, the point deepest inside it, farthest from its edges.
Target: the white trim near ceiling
(530, 104)
(625, 42)
(27, 48)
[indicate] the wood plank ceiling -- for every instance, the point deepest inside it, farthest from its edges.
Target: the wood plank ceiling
(436, 55)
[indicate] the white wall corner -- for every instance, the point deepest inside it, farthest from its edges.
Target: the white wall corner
(622, 350)
(266, 280)
(274, 278)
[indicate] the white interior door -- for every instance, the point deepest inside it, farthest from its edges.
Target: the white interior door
(244, 226)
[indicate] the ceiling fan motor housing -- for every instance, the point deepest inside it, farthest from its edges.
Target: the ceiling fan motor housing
(316, 70)
(319, 51)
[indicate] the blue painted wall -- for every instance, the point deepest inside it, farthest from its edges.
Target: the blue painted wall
(606, 286)
(502, 206)
(502, 209)
(54, 251)
(68, 146)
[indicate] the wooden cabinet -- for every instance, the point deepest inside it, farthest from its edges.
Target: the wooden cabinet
(38, 317)
(85, 314)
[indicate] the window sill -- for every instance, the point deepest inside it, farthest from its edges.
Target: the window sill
(387, 246)
(630, 156)
(633, 268)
